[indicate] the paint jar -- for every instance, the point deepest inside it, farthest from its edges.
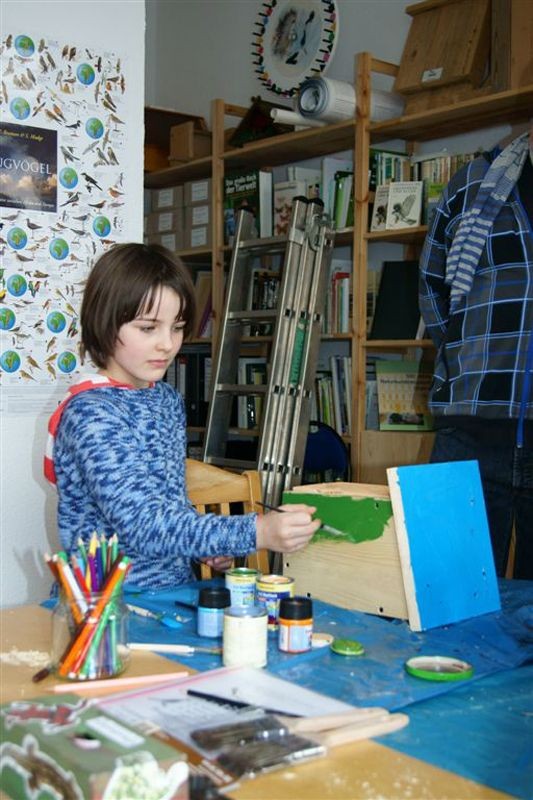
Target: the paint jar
(90, 637)
(241, 583)
(211, 604)
(295, 624)
(270, 590)
(245, 636)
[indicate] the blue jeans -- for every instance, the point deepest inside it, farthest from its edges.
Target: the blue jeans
(507, 478)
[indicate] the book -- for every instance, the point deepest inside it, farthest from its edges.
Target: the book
(343, 201)
(404, 208)
(330, 166)
(250, 189)
(312, 179)
(202, 292)
(385, 166)
(284, 194)
(263, 294)
(397, 314)
(379, 210)
(403, 388)
(251, 371)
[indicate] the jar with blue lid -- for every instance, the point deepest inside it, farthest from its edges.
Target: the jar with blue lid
(212, 601)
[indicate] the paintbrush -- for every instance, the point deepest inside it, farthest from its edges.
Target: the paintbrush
(328, 528)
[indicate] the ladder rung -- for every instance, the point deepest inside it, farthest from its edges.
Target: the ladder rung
(241, 388)
(272, 244)
(252, 316)
(230, 463)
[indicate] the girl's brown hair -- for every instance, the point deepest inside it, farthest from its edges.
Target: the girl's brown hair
(123, 281)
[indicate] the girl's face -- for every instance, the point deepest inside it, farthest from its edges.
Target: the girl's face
(149, 343)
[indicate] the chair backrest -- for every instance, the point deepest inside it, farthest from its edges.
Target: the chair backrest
(212, 489)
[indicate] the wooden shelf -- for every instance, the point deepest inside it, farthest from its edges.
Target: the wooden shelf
(296, 146)
(190, 171)
(407, 236)
(513, 105)
(397, 344)
(196, 254)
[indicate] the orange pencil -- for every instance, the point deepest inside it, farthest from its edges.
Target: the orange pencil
(78, 574)
(78, 647)
(67, 584)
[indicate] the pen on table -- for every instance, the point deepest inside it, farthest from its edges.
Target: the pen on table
(323, 527)
(228, 701)
(177, 649)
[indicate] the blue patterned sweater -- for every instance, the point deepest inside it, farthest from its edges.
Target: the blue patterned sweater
(120, 465)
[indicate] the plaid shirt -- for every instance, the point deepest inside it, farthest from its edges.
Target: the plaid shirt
(482, 348)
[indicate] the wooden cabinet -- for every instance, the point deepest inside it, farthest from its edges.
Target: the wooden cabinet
(371, 451)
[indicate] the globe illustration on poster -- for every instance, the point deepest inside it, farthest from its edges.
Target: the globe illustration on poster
(58, 249)
(102, 226)
(56, 321)
(17, 238)
(24, 46)
(85, 74)
(66, 362)
(17, 285)
(94, 128)
(68, 177)
(7, 319)
(20, 108)
(10, 361)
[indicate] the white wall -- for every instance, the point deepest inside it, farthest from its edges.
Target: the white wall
(201, 49)
(27, 521)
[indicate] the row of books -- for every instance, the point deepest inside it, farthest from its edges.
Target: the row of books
(331, 402)
(338, 306)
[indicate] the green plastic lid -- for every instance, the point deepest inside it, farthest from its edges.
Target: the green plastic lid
(347, 647)
(439, 668)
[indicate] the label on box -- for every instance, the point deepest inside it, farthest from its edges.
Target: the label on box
(200, 215)
(168, 240)
(199, 237)
(165, 222)
(199, 191)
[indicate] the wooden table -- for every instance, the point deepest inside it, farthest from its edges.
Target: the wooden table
(360, 771)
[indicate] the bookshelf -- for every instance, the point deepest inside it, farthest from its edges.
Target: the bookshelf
(371, 451)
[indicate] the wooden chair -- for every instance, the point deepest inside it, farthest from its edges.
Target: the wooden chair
(212, 489)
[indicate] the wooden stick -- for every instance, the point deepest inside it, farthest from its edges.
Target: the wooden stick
(363, 730)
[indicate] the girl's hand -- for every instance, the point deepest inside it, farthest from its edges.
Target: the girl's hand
(288, 531)
(220, 563)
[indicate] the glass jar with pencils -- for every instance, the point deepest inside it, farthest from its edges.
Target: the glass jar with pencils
(90, 642)
(89, 625)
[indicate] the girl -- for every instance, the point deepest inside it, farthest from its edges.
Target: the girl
(117, 443)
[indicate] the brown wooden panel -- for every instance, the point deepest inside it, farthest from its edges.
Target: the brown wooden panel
(383, 449)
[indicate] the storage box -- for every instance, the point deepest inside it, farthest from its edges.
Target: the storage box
(165, 221)
(198, 236)
(170, 197)
(197, 215)
(187, 143)
(173, 240)
(59, 746)
(197, 191)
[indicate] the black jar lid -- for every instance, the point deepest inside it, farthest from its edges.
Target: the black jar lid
(214, 597)
(295, 608)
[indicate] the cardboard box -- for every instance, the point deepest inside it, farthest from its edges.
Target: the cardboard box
(187, 143)
(170, 197)
(173, 240)
(197, 215)
(197, 192)
(198, 236)
(165, 221)
(63, 747)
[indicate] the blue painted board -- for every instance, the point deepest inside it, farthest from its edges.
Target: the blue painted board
(444, 542)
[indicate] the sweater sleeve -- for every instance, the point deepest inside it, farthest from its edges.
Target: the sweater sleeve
(100, 461)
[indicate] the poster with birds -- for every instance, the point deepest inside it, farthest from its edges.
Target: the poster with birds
(62, 156)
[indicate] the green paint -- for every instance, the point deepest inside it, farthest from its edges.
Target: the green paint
(362, 518)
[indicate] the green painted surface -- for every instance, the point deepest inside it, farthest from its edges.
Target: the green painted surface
(361, 518)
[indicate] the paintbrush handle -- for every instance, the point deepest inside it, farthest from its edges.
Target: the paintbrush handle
(328, 721)
(363, 730)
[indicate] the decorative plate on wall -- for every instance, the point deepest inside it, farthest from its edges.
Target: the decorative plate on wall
(294, 40)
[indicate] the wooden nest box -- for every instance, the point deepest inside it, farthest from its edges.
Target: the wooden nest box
(460, 49)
